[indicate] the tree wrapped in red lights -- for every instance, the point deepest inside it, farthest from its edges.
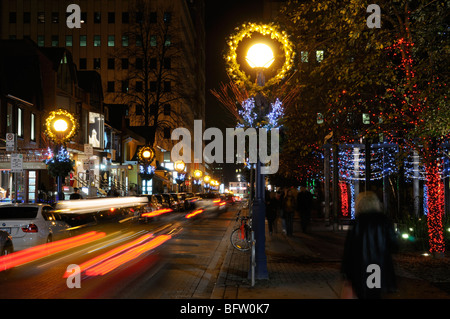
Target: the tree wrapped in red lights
(397, 75)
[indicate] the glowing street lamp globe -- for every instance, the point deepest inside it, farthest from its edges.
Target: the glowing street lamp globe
(198, 173)
(260, 55)
(207, 179)
(180, 166)
(60, 126)
(146, 154)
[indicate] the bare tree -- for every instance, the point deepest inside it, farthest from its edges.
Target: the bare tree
(153, 71)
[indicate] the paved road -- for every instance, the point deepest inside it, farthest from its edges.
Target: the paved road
(182, 267)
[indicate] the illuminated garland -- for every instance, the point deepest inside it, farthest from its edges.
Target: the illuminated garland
(59, 164)
(59, 137)
(250, 115)
(146, 172)
(246, 31)
(344, 198)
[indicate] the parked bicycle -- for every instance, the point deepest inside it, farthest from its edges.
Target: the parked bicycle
(241, 236)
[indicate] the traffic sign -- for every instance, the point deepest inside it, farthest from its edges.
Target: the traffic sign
(10, 142)
(16, 163)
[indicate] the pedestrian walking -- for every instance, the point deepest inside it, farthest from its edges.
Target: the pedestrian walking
(304, 207)
(368, 251)
(271, 211)
(289, 210)
(76, 194)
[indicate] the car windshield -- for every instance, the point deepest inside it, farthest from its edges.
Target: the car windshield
(18, 212)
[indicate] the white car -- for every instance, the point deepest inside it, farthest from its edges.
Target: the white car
(32, 224)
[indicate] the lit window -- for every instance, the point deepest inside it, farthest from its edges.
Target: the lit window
(69, 40)
(41, 40)
(304, 56)
(153, 40)
(97, 40)
(83, 40)
(124, 40)
(19, 122)
(55, 40)
(32, 128)
(111, 40)
(319, 56)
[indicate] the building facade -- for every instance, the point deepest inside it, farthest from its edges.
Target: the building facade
(166, 71)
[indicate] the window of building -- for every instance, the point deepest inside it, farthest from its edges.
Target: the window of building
(139, 86)
(12, 17)
(138, 41)
(19, 122)
(83, 64)
(125, 40)
(167, 86)
(125, 17)
(41, 40)
(153, 17)
(32, 127)
(111, 17)
(111, 63)
(97, 63)
(138, 110)
(55, 40)
(152, 86)
(319, 55)
(168, 40)
(110, 86)
(41, 17)
(111, 41)
(27, 17)
(97, 40)
(304, 56)
(167, 109)
(139, 17)
(69, 40)
(167, 132)
(83, 40)
(167, 63)
(125, 64)
(83, 17)
(167, 17)
(125, 86)
(139, 64)
(97, 17)
(55, 17)
(153, 41)
(153, 63)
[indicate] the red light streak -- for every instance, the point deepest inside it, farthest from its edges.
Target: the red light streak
(194, 213)
(31, 254)
(157, 212)
(124, 257)
(114, 258)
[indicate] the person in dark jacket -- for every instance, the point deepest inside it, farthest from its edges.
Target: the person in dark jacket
(370, 243)
(304, 207)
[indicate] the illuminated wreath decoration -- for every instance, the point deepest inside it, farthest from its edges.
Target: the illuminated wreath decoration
(145, 157)
(247, 29)
(53, 134)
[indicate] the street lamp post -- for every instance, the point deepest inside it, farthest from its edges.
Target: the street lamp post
(179, 167)
(260, 57)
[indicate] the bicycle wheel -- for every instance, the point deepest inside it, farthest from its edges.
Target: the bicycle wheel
(239, 239)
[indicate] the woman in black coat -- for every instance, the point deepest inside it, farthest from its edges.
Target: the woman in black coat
(368, 250)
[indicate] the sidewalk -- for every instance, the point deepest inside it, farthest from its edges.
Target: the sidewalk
(305, 266)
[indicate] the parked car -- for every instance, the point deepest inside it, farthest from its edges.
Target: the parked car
(162, 201)
(172, 200)
(6, 245)
(32, 224)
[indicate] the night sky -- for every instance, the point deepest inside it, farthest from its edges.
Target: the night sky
(221, 19)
